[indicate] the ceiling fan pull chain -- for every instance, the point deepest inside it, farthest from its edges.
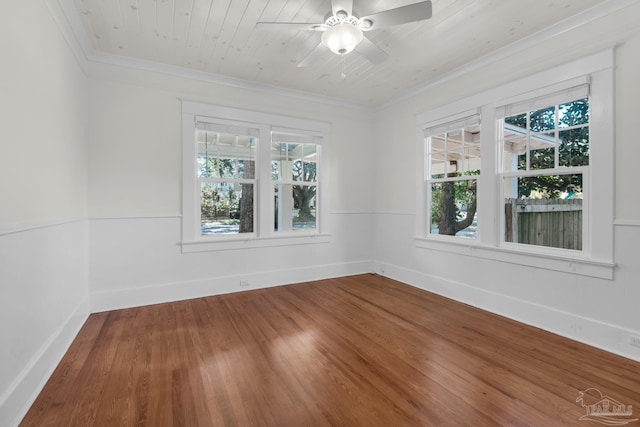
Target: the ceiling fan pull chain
(343, 75)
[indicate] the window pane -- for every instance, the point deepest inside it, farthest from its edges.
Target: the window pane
(246, 169)
(294, 162)
(246, 159)
(295, 207)
(296, 170)
(438, 156)
(542, 120)
(574, 147)
(207, 160)
(437, 160)
(279, 157)
(515, 147)
(544, 210)
(226, 208)
(571, 140)
(453, 208)
(455, 148)
(471, 162)
(542, 151)
(455, 153)
(310, 159)
(573, 113)
(223, 155)
(518, 121)
(224, 167)
(304, 171)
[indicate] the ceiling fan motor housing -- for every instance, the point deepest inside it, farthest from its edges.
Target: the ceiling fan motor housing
(342, 34)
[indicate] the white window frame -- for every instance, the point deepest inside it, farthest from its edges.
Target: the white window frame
(293, 136)
(577, 88)
(596, 257)
(226, 127)
(264, 234)
(448, 124)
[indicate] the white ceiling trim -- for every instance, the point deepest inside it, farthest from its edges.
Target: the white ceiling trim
(583, 18)
(74, 20)
(91, 54)
(141, 64)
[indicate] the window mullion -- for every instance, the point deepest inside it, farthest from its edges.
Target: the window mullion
(488, 226)
(527, 165)
(556, 137)
(263, 198)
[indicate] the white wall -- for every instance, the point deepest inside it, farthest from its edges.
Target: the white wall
(135, 199)
(600, 312)
(43, 187)
(136, 139)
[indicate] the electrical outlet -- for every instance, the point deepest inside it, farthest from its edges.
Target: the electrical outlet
(244, 283)
(634, 340)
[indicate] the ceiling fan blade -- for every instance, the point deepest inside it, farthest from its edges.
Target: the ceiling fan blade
(315, 56)
(289, 26)
(401, 15)
(370, 51)
(338, 5)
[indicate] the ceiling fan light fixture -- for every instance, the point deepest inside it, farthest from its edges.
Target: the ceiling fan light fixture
(342, 38)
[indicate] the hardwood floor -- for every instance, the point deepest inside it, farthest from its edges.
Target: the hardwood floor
(355, 351)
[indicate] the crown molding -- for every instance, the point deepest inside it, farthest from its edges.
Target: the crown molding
(81, 39)
(90, 54)
(599, 11)
(172, 70)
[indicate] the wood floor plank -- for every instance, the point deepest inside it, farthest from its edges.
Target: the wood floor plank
(354, 351)
(434, 364)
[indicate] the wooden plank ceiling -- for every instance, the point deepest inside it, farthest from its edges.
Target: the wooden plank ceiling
(219, 37)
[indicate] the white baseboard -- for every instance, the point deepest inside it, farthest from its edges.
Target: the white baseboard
(168, 292)
(611, 338)
(21, 394)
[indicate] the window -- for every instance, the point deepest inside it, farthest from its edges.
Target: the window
(453, 164)
(226, 176)
(545, 158)
(294, 169)
(251, 179)
(536, 171)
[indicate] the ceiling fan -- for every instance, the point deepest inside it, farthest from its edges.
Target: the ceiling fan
(343, 32)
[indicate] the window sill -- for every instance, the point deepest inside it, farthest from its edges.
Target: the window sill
(563, 262)
(240, 242)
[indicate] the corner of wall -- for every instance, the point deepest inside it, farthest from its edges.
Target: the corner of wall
(21, 394)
